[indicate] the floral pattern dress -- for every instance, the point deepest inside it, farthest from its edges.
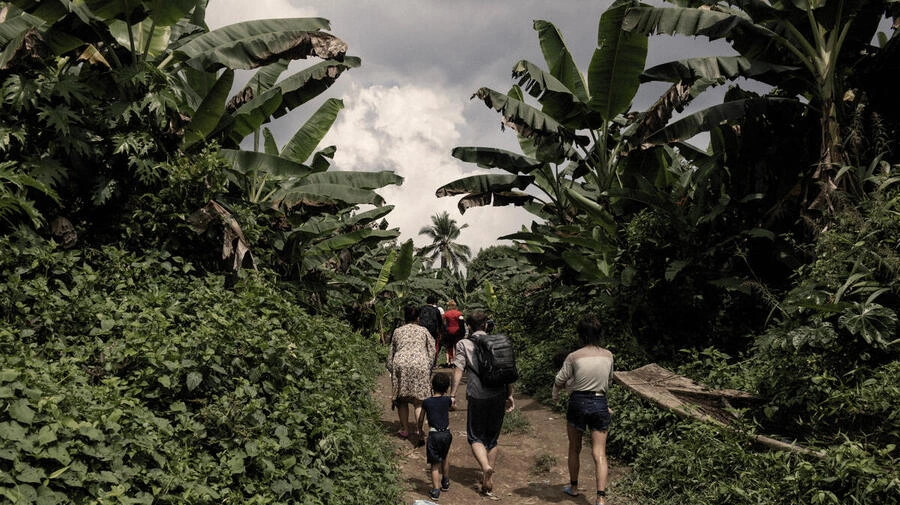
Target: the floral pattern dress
(410, 361)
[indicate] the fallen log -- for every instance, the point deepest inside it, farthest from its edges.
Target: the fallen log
(692, 400)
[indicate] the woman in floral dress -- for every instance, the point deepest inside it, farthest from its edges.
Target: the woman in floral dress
(410, 362)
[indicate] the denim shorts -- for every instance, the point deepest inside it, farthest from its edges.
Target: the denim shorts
(588, 411)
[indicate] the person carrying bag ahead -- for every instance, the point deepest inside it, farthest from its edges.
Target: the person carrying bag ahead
(488, 402)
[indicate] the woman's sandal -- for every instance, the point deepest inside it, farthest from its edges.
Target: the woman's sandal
(601, 495)
(402, 434)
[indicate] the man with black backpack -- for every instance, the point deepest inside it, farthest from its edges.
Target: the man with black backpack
(489, 364)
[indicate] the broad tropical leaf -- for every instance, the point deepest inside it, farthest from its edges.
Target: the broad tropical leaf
(402, 267)
(253, 162)
(319, 194)
(253, 44)
(304, 142)
(559, 60)
(488, 183)
(210, 111)
(557, 100)
(250, 116)
(615, 69)
(524, 118)
(310, 82)
(364, 218)
(706, 119)
(489, 157)
(362, 180)
(749, 39)
(717, 68)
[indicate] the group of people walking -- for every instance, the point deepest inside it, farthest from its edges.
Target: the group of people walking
(585, 374)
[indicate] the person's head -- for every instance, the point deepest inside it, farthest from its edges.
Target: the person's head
(451, 304)
(440, 383)
(431, 300)
(476, 320)
(410, 313)
(590, 331)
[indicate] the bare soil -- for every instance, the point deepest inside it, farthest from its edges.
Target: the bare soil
(531, 466)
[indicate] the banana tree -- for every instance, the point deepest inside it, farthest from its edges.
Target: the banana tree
(574, 149)
(806, 48)
(143, 82)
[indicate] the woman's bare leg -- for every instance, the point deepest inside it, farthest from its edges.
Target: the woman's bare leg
(598, 451)
(403, 413)
(574, 452)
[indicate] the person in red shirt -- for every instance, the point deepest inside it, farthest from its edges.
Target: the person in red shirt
(455, 329)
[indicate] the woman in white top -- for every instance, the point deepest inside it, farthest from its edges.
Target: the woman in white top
(587, 373)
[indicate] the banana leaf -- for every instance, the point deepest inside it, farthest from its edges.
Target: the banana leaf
(310, 82)
(266, 77)
(319, 194)
(249, 162)
(706, 119)
(524, 118)
(321, 251)
(718, 68)
(557, 100)
(305, 140)
(403, 265)
(615, 69)
(489, 157)
(253, 44)
(748, 38)
(559, 60)
(489, 183)
(361, 180)
(250, 116)
(210, 111)
(364, 218)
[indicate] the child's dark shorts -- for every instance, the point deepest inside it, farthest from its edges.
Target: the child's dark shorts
(588, 411)
(438, 446)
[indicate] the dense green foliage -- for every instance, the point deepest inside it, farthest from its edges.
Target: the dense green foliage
(135, 379)
(137, 366)
(749, 265)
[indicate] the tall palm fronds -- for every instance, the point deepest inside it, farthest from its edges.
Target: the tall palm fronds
(443, 233)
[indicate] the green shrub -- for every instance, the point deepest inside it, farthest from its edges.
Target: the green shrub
(129, 379)
(516, 422)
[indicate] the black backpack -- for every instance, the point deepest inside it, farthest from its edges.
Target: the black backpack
(430, 318)
(496, 360)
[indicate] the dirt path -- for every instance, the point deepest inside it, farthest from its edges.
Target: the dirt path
(531, 466)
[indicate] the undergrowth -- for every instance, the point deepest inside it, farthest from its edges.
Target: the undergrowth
(131, 379)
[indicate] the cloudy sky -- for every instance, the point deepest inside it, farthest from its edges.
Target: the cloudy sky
(409, 105)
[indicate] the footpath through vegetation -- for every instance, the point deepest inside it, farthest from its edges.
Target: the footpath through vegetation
(531, 467)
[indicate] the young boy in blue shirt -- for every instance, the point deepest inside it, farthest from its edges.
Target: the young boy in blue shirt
(437, 449)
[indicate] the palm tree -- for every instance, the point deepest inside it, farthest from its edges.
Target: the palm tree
(443, 232)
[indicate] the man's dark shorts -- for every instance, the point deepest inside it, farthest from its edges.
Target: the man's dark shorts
(438, 446)
(485, 419)
(588, 411)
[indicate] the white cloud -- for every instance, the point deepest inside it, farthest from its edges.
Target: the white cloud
(221, 13)
(412, 130)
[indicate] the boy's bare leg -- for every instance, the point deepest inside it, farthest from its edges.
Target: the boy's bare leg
(445, 468)
(436, 475)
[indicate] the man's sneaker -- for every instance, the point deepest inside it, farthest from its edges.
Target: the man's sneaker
(435, 494)
(445, 483)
